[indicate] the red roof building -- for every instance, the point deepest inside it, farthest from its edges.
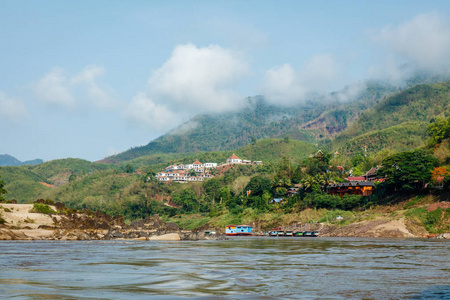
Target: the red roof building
(234, 159)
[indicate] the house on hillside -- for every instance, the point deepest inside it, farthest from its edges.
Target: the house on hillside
(210, 165)
(293, 190)
(371, 175)
(234, 159)
(277, 200)
(351, 188)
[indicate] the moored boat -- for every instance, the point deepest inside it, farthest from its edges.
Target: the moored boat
(289, 233)
(273, 233)
(238, 230)
(306, 234)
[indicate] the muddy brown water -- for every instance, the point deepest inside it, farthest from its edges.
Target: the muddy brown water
(239, 268)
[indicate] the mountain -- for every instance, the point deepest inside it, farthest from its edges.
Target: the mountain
(8, 160)
(398, 122)
(79, 181)
(313, 121)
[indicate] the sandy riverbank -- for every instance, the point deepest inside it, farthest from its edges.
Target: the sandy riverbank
(23, 224)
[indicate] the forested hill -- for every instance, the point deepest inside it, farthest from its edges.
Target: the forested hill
(8, 160)
(314, 121)
(397, 123)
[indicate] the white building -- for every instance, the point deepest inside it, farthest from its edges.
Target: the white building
(234, 160)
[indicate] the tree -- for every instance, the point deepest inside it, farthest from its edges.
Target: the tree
(308, 182)
(2, 190)
(187, 199)
(72, 177)
(327, 180)
(297, 176)
(129, 168)
(439, 130)
(150, 175)
(358, 159)
(212, 187)
(258, 185)
(408, 170)
(192, 173)
(286, 138)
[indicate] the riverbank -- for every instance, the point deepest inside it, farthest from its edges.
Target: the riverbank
(405, 220)
(418, 217)
(21, 222)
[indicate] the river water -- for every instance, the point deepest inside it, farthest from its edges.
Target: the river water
(238, 268)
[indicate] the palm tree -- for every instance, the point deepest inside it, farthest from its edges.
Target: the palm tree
(308, 182)
(327, 180)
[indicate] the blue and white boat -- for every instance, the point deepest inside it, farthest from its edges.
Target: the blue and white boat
(238, 230)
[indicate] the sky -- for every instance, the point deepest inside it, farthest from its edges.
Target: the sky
(88, 79)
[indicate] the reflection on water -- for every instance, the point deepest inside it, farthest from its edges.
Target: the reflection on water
(240, 268)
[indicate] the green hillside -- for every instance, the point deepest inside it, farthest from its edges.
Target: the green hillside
(398, 122)
(268, 151)
(21, 183)
(314, 121)
(94, 181)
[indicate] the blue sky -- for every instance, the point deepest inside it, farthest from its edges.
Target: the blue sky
(88, 79)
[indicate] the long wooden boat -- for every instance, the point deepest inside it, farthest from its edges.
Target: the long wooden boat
(280, 233)
(238, 230)
(273, 233)
(306, 234)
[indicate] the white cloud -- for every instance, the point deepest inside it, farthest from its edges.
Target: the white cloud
(145, 111)
(12, 108)
(422, 43)
(89, 74)
(54, 89)
(88, 79)
(285, 86)
(193, 80)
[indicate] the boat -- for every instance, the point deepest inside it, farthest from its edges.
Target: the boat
(238, 230)
(280, 233)
(273, 233)
(311, 233)
(306, 234)
(289, 233)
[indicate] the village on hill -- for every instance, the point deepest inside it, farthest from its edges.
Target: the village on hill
(198, 171)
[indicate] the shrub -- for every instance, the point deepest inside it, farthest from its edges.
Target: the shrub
(42, 208)
(433, 219)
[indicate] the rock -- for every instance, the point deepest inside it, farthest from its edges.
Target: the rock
(166, 237)
(444, 236)
(8, 235)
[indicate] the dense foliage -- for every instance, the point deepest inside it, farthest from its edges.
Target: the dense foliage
(439, 130)
(2, 189)
(398, 122)
(408, 171)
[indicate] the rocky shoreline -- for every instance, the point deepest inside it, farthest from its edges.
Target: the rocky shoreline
(21, 223)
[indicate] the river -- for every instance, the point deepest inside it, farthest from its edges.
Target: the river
(238, 268)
